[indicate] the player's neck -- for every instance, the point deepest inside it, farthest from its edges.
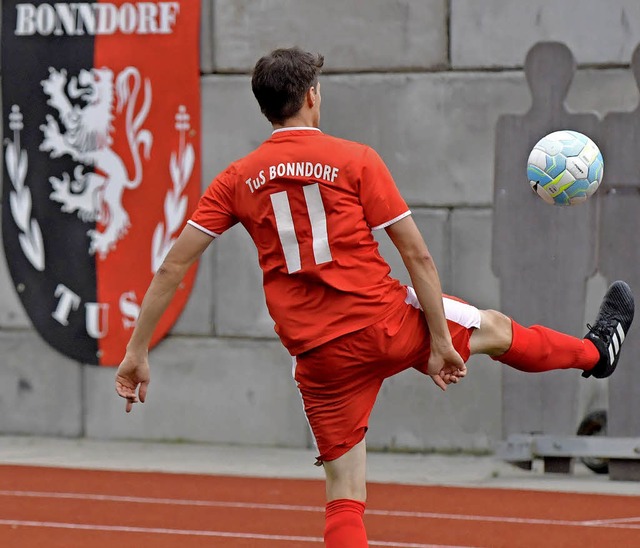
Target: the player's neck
(299, 120)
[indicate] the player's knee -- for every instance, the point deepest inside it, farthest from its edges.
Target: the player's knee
(345, 476)
(346, 486)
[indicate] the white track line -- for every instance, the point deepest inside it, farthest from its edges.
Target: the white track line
(612, 523)
(165, 501)
(198, 533)
(152, 530)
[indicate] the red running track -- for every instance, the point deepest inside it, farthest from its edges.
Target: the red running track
(68, 508)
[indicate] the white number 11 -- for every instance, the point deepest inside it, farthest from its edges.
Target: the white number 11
(287, 233)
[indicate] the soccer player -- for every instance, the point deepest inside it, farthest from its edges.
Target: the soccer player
(310, 202)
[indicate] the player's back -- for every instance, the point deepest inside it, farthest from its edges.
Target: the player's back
(309, 202)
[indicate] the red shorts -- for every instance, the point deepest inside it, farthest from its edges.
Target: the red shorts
(339, 380)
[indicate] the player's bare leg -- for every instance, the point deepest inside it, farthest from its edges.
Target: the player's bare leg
(346, 496)
(494, 335)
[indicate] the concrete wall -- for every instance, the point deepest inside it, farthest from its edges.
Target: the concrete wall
(423, 81)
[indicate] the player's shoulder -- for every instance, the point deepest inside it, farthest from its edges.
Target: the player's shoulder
(341, 141)
(226, 179)
(230, 171)
(353, 149)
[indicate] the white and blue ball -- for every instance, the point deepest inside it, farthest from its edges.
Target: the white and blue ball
(565, 168)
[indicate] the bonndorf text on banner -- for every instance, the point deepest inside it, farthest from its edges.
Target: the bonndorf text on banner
(101, 109)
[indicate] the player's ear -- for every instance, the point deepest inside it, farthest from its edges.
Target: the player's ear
(312, 96)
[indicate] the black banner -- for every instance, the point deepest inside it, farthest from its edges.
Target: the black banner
(101, 130)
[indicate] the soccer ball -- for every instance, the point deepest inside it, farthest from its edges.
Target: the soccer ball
(565, 168)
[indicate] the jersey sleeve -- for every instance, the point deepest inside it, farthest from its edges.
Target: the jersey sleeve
(215, 211)
(382, 202)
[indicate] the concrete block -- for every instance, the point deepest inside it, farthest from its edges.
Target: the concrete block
(232, 124)
(603, 91)
(240, 309)
(412, 413)
(435, 131)
(471, 276)
(434, 227)
(354, 35)
(197, 315)
(494, 33)
(206, 36)
(213, 390)
(40, 390)
(12, 313)
(232, 127)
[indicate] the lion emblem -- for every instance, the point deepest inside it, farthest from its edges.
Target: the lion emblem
(85, 111)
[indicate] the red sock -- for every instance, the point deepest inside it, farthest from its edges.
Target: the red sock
(344, 527)
(537, 348)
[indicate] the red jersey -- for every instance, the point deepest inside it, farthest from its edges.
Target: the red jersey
(309, 202)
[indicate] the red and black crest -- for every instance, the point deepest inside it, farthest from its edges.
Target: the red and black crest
(101, 108)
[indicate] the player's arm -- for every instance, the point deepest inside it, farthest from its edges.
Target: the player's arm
(445, 364)
(133, 372)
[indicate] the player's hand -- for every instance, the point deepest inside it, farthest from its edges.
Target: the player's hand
(445, 365)
(132, 378)
(452, 376)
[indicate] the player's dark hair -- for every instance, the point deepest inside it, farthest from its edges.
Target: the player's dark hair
(281, 79)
